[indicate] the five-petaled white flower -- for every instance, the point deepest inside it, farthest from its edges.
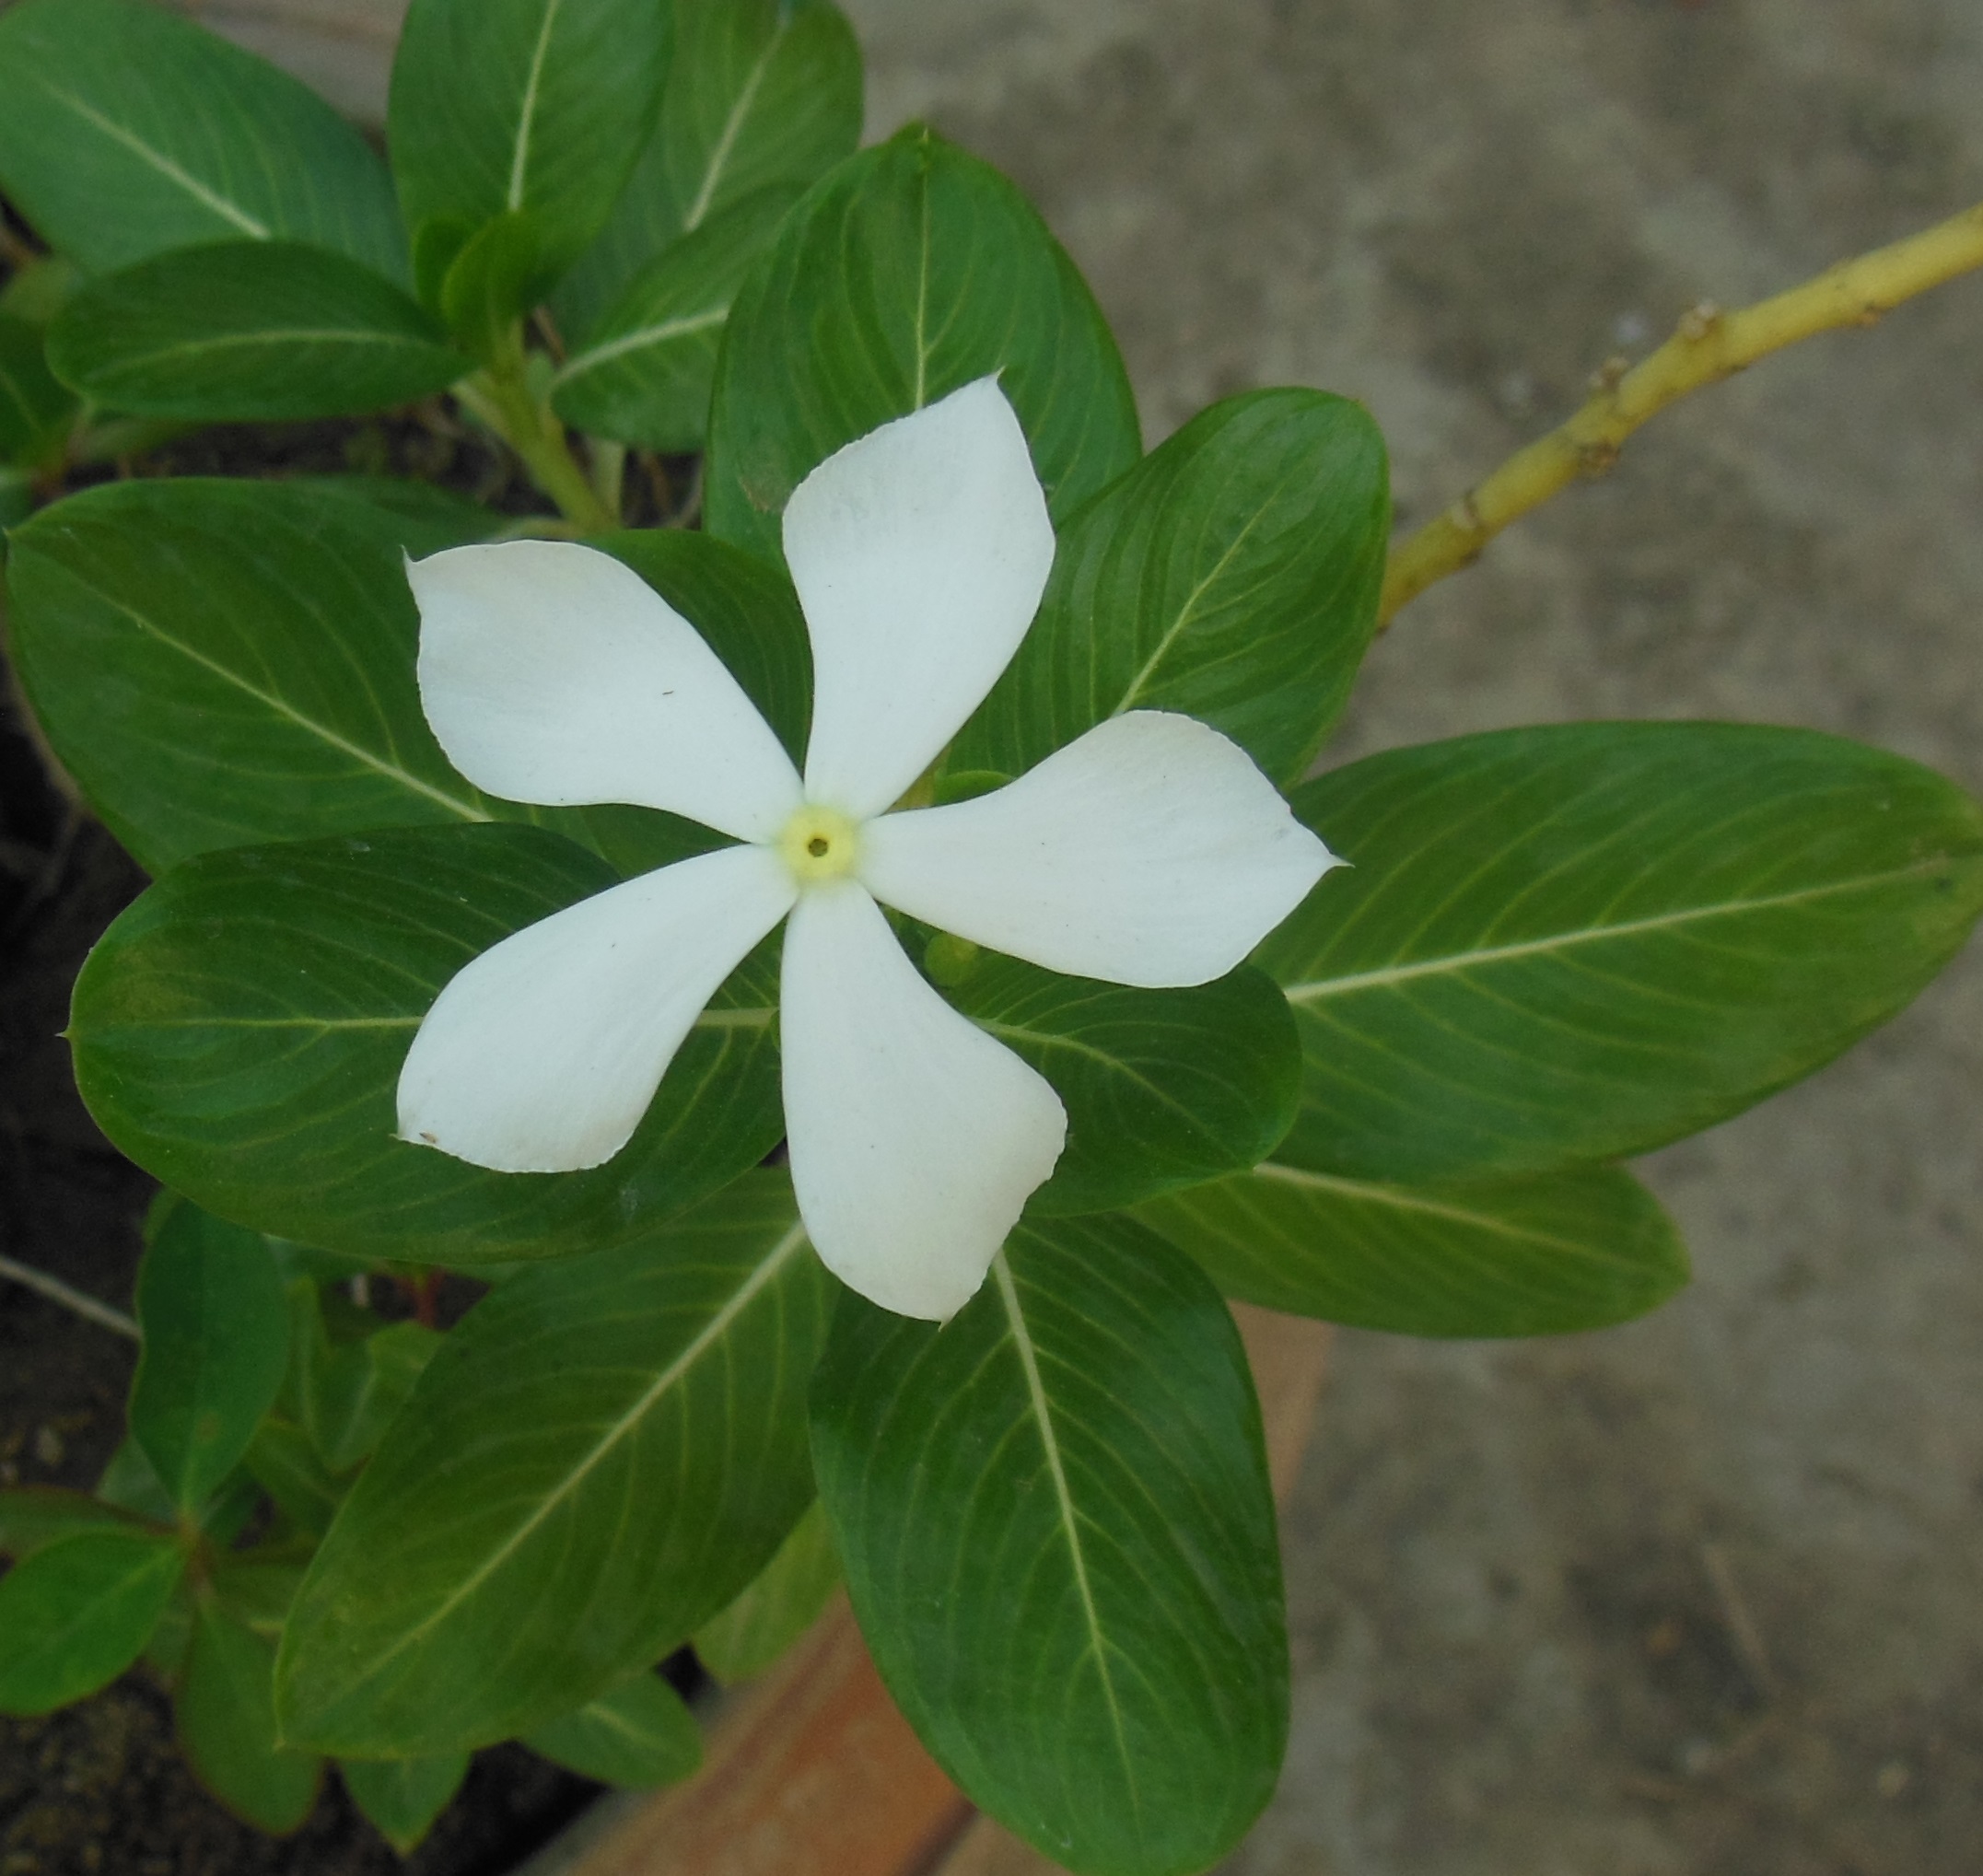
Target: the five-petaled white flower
(1149, 851)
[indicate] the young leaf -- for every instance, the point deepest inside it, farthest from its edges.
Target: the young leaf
(1565, 944)
(284, 1461)
(33, 1516)
(501, 106)
(403, 1797)
(759, 93)
(37, 411)
(1542, 1256)
(220, 663)
(645, 372)
(504, 266)
(600, 1457)
(216, 1339)
(1059, 1536)
(1162, 1088)
(249, 331)
(909, 272)
(782, 1602)
(125, 131)
(227, 1726)
(79, 1612)
(351, 1392)
(1232, 574)
(244, 1024)
(131, 1482)
(636, 1735)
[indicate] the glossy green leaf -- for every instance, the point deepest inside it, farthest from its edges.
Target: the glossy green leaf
(227, 1726)
(1547, 1255)
(403, 1797)
(217, 1340)
(1567, 944)
(1232, 574)
(350, 1393)
(637, 1735)
(220, 663)
(646, 369)
(760, 93)
(240, 1031)
(522, 106)
(249, 331)
(910, 271)
(284, 1461)
(32, 1515)
(1057, 1532)
(37, 411)
(603, 1454)
(125, 131)
(1162, 1088)
(79, 1612)
(783, 1601)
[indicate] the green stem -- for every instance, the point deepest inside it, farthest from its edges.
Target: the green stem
(501, 397)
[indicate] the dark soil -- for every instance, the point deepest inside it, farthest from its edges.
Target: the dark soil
(100, 1786)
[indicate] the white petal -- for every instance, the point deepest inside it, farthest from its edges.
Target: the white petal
(543, 1054)
(552, 673)
(1149, 851)
(914, 1137)
(920, 553)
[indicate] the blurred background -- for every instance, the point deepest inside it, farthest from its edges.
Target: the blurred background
(1700, 1595)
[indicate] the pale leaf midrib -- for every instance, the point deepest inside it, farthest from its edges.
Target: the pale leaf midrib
(519, 159)
(712, 1332)
(680, 327)
(1070, 1528)
(163, 164)
(732, 129)
(1371, 1192)
(281, 708)
(1456, 962)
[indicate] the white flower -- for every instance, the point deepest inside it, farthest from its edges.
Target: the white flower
(1149, 851)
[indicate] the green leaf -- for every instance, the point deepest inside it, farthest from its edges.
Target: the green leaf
(131, 1482)
(503, 267)
(1541, 1256)
(37, 411)
(603, 1454)
(226, 1727)
(1232, 574)
(909, 272)
(1054, 1518)
(220, 663)
(256, 1589)
(217, 1340)
(241, 1031)
(760, 93)
(125, 131)
(403, 1797)
(249, 331)
(645, 372)
(284, 1461)
(636, 1735)
(33, 1516)
(79, 1612)
(1162, 1088)
(351, 1392)
(505, 105)
(1568, 944)
(782, 1602)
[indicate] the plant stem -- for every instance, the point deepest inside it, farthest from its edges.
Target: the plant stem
(57, 1291)
(501, 399)
(1710, 345)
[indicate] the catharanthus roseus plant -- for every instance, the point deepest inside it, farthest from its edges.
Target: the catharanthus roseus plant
(856, 982)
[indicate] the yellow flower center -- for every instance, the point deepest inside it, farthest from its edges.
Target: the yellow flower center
(819, 843)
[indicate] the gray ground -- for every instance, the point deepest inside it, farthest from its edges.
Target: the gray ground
(1700, 1595)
